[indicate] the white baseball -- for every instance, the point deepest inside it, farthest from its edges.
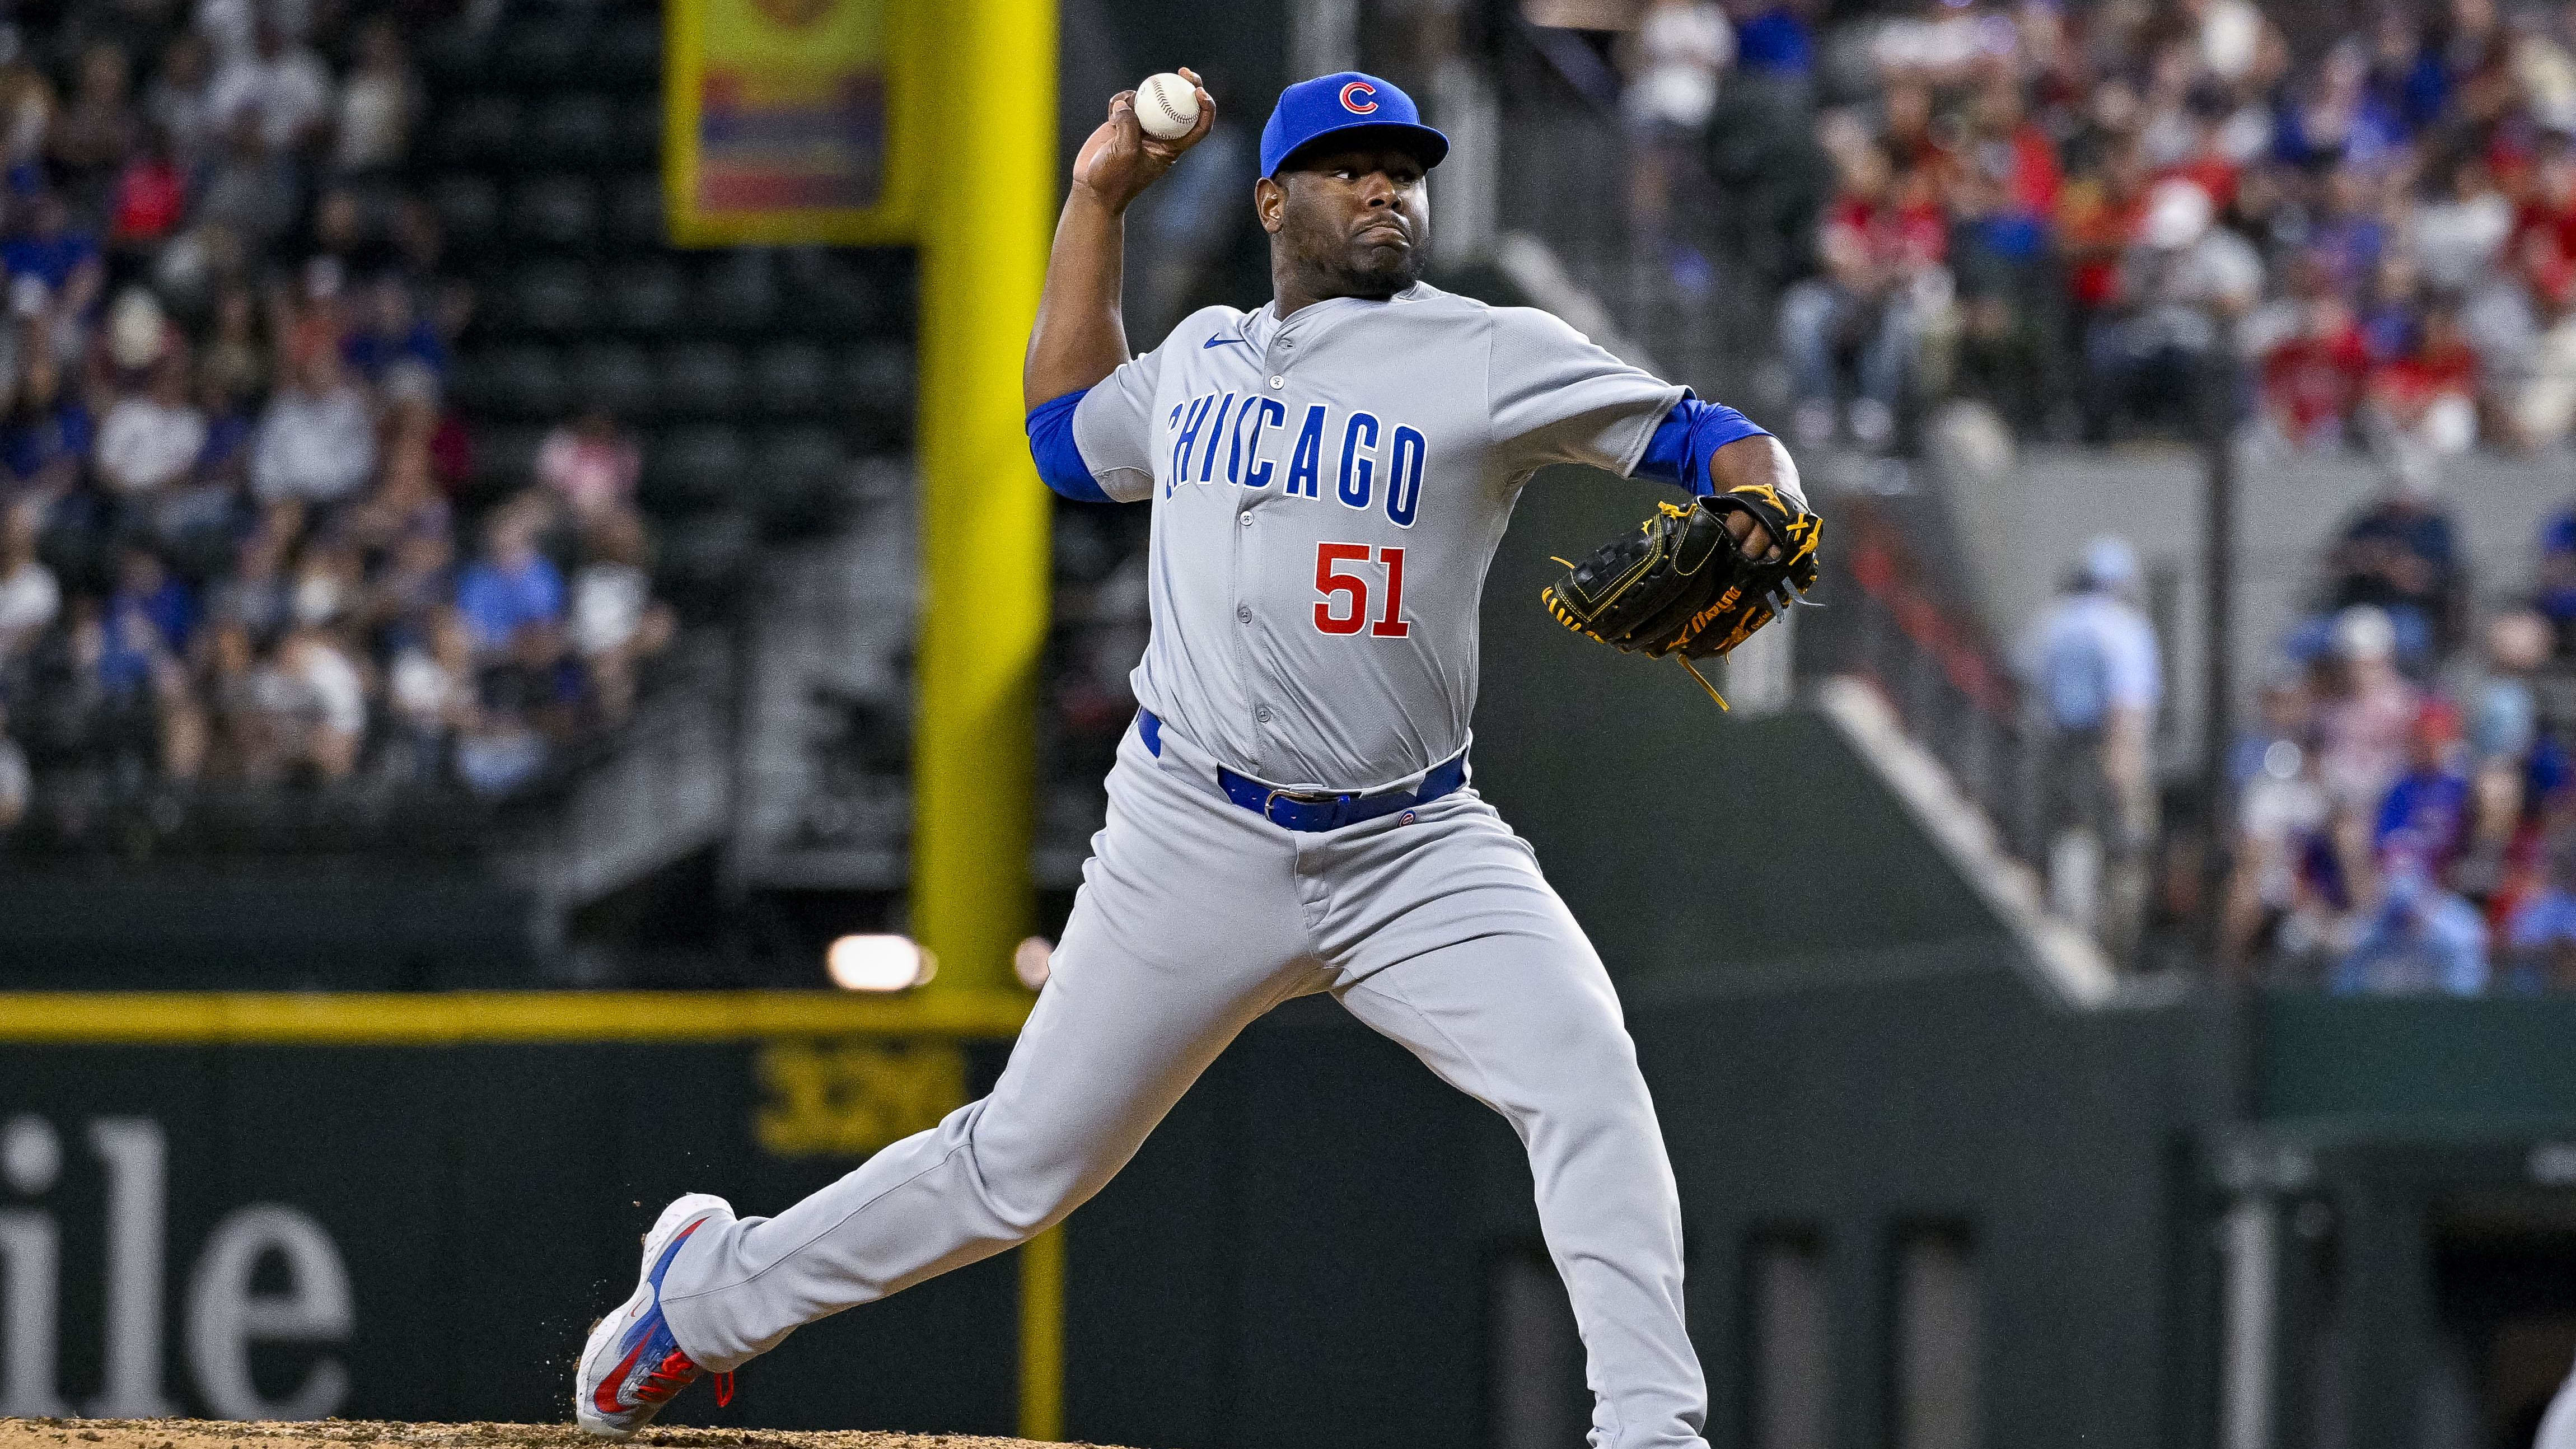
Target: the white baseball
(1167, 106)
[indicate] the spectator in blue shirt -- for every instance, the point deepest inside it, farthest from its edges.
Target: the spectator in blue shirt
(129, 650)
(46, 434)
(512, 589)
(393, 334)
(2426, 814)
(2408, 76)
(2422, 939)
(51, 249)
(2540, 936)
(2093, 655)
(142, 687)
(2556, 596)
(144, 587)
(2540, 933)
(1775, 40)
(2092, 662)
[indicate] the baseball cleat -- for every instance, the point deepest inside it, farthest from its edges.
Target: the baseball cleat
(632, 1366)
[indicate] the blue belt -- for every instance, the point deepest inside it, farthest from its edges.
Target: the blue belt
(1309, 810)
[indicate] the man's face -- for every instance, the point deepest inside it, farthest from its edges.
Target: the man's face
(1353, 223)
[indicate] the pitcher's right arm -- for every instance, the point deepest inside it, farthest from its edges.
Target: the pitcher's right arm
(1078, 337)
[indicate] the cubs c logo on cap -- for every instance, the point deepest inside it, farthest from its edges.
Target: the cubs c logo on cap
(1346, 100)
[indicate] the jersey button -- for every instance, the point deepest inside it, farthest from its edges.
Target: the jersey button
(1243, 612)
(1262, 714)
(1247, 518)
(1276, 381)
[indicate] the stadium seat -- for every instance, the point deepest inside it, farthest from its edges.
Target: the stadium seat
(540, 52)
(464, 387)
(476, 130)
(639, 128)
(637, 214)
(698, 466)
(705, 553)
(701, 379)
(877, 378)
(505, 459)
(882, 478)
(617, 377)
(469, 210)
(795, 478)
(526, 381)
(580, 129)
(471, 385)
(792, 379)
(553, 296)
(455, 53)
(648, 296)
(740, 290)
(556, 211)
(830, 292)
(628, 50)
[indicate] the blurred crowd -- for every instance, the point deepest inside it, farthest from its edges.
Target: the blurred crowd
(2124, 219)
(2404, 813)
(2405, 816)
(239, 539)
(2070, 211)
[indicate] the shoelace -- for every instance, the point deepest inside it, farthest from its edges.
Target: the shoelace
(674, 1373)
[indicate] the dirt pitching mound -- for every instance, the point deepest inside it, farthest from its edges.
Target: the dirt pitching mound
(340, 1433)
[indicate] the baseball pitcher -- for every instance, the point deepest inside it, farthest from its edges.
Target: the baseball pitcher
(1291, 814)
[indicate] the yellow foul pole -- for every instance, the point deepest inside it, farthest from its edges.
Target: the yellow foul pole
(985, 221)
(987, 214)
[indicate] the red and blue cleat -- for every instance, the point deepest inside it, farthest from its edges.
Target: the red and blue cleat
(632, 1366)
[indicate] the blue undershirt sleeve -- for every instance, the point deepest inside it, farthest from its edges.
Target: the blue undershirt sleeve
(1059, 461)
(1678, 452)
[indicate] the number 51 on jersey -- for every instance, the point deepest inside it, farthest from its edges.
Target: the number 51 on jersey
(1351, 589)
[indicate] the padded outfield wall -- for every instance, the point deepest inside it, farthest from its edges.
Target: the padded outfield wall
(1322, 1245)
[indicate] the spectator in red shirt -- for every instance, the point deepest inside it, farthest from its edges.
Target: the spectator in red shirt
(2541, 406)
(2312, 378)
(1882, 245)
(2544, 225)
(2427, 398)
(2096, 217)
(2350, 234)
(2010, 145)
(149, 198)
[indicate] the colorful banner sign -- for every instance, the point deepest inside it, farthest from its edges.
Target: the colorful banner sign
(788, 121)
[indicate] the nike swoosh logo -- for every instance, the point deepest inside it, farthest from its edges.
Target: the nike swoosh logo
(1217, 342)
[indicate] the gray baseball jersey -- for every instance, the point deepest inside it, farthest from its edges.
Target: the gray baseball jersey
(1328, 492)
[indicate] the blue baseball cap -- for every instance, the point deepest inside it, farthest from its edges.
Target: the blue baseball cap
(1346, 100)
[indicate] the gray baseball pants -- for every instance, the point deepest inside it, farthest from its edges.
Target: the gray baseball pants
(1195, 917)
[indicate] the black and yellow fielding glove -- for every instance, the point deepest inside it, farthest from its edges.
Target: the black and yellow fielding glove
(1682, 585)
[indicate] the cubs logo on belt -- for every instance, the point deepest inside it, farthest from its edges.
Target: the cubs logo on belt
(1357, 98)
